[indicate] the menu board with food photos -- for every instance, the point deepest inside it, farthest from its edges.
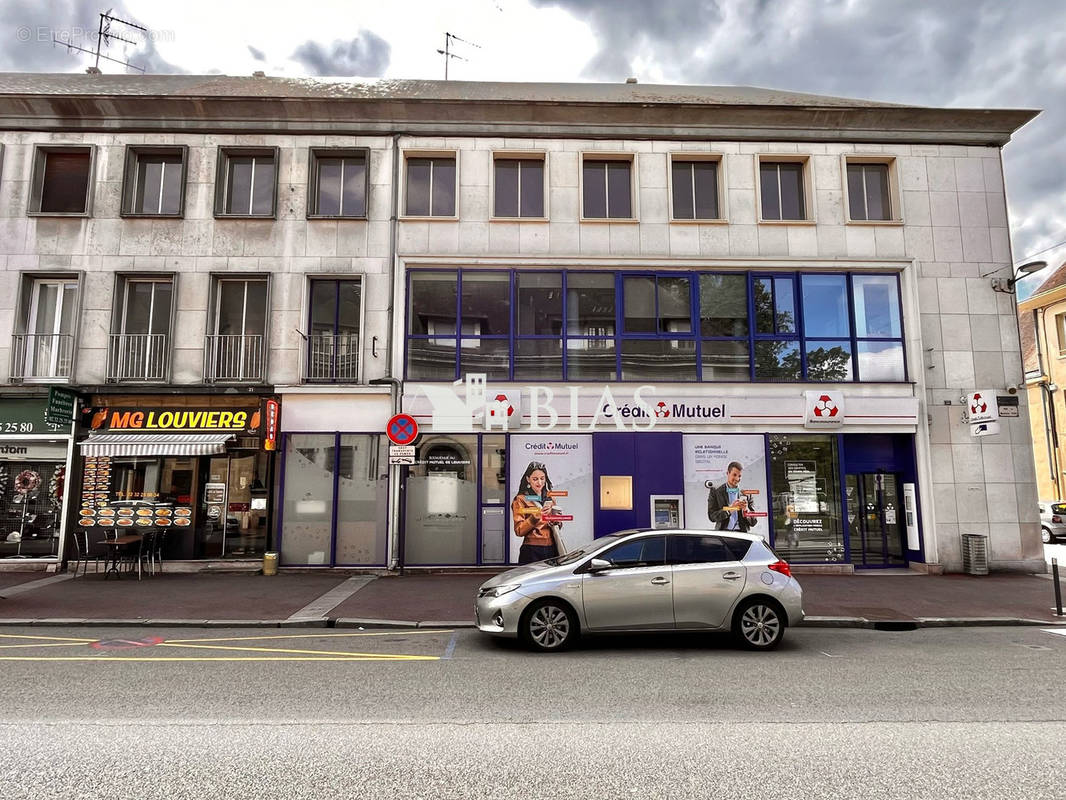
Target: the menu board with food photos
(100, 508)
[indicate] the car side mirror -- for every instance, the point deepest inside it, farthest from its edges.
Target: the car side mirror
(599, 564)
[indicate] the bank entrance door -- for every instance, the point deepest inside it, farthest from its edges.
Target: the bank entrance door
(875, 519)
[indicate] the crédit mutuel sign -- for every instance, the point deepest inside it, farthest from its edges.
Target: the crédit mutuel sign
(462, 405)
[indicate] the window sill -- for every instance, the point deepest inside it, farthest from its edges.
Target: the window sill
(131, 215)
(349, 217)
(708, 221)
(787, 222)
(246, 216)
(622, 220)
(82, 214)
(519, 219)
(897, 223)
(429, 219)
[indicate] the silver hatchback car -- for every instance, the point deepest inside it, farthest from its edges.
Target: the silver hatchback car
(646, 580)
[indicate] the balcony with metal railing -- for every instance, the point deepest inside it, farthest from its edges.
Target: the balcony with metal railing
(332, 358)
(42, 357)
(137, 358)
(234, 358)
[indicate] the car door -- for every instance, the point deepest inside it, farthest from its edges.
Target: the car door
(634, 592)
(708, 577)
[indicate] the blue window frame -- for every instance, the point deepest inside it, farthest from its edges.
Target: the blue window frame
(557, 325)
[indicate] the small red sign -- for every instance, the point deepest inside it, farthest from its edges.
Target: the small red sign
(270, 426)
(402, 429)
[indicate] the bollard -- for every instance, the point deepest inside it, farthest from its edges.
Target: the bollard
(1058, 589)
(270, 563)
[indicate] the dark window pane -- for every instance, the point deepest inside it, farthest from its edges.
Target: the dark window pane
(594, 189)
(829, 361)
(323, 306)
(149, 183)
(489, 356)
(764, 305)
(589, 304)
(486, 303)
(876, 299)
(792, 206)
(805, 501)
(532, 188)
(698, 550)
(170, 202)
(619, 199)
(354, 189)
(329, 186)
(256, 310)
(590, 359)
(433, 299)
(771, 200)
(66, 183)
(724, 305)
(647, 552)
(431, 359)
(658, 359)
(639, 304)
(726, 361)
(349, 306)
(705, 177)
(539, 306)
(538, 359)
(785, 305)
(418, 170)
(777, 360)
(506, 190)
(239, 185)
(856, 192)
(877, 202)
(675, 305)
(682, 189)
(881, 361)
(443, 201)
(263, 187)
(825, 306)
(138, 307)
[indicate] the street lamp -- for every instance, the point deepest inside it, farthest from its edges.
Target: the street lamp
(1007, 286)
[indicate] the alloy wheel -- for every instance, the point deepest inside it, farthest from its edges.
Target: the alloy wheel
(760, 626)
(549, 627)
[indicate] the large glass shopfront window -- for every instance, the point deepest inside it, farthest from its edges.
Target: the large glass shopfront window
(805, 487)
(335, 505)
(31, 503)
(441, 522)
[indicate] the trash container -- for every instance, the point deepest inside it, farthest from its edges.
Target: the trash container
(975, 554)
(270, 563)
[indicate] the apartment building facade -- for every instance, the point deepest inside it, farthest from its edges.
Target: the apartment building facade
(629, 288)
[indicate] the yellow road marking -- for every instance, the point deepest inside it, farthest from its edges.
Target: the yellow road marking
(83, 640)
(44, 644)
(282, 650)
(311, 636)
(215, 658)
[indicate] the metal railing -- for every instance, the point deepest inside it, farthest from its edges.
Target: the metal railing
(42, 356)
(137, 357)
(332, 357)
(233, 358)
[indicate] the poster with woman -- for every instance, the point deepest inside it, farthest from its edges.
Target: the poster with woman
(550, 480)
(725, 483)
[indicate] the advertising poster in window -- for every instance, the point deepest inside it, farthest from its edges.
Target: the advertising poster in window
(711, 499)
(550, 484)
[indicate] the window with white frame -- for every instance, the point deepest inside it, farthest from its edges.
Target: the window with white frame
(430, 188)
(1060, 330)
(154, 182)
(61, 183)
(518, 186)
(247, 182)
(338, 183)
(606, 188)
(138, 347)
(694, 188)
(871, 196)
(783, 189)
(44, 347)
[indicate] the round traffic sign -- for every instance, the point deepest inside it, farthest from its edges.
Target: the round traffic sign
(402, 429)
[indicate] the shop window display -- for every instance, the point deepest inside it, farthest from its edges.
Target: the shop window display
(31, 499)
(804, 473)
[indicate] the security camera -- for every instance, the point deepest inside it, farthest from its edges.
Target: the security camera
(1012, 388)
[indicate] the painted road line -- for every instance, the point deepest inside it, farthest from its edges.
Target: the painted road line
(284, 650)
(450, 648)
(390, 632)
(1056, 631)
(321, 606)
(82, 639)
(29, 586)
(44, 644)
(114, 659)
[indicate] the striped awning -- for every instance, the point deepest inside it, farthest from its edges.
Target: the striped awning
(155, 444)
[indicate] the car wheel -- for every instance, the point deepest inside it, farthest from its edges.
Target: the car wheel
(1045, 536)
(549, 625)
(759, 625)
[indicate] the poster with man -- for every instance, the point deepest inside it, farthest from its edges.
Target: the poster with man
(725, 483)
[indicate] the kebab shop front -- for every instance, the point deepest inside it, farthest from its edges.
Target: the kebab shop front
(201, 475)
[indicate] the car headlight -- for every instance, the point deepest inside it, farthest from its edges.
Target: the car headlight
(497, 591)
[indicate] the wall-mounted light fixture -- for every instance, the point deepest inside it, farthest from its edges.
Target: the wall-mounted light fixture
(1006, 286)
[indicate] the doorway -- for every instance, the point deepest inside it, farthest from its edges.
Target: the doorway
(874, 519)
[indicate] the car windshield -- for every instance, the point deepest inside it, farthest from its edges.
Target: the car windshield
(1058, 508)
(581, 552)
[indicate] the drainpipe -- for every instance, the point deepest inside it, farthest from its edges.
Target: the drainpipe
(395, 471)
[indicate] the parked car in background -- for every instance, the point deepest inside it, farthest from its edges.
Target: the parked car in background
(646, 580)
(1052, 520)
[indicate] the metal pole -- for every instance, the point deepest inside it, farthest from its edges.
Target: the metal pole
(1058, 589)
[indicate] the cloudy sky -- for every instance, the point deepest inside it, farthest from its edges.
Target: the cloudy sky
(958, 53)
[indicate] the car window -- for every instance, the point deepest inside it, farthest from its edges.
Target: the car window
(1058, 508)
(700, 550)
(647, 552)
(738, 547)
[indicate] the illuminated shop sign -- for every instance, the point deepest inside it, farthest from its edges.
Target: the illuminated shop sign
(174, 420)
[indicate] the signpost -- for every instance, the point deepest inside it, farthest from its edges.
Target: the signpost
(402, 429)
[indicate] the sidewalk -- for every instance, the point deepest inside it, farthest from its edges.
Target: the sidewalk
(446, 600)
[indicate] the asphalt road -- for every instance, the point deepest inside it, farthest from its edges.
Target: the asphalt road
(191, 713)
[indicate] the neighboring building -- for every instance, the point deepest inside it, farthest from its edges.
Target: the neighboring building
(799, 283)
(1042, 322)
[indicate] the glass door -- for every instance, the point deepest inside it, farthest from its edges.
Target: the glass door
(50, 327)
(875, 519)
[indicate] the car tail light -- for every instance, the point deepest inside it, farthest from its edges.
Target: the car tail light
(782, 567)
(1056, 519)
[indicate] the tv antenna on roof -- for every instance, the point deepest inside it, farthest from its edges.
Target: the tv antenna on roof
(447, 51)
(105, 36)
